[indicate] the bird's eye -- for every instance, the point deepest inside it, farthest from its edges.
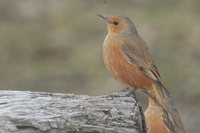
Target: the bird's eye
(115, 23)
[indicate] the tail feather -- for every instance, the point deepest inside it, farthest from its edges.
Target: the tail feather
(171, 116)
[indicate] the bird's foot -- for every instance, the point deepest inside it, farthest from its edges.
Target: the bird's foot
(130, 91)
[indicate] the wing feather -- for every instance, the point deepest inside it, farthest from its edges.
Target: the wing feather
(137, 53)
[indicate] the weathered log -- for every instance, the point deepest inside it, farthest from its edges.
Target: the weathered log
(36, 112)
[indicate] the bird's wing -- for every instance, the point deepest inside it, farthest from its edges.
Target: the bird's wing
(136, 52)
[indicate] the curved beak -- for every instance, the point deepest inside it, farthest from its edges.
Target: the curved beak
(104, 17)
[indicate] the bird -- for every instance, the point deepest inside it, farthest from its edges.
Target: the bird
(128, 59)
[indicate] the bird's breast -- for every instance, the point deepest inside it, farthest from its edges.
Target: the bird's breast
(118, 66)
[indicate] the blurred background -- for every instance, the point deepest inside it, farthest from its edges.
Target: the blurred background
(56, 46)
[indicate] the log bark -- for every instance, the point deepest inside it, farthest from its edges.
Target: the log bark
(38, 112)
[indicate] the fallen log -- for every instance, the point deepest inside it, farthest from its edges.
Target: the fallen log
(38, 112)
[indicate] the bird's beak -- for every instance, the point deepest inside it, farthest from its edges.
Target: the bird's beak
(104, 17)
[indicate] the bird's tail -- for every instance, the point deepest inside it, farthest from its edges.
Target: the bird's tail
(160, 95)
(163, 98)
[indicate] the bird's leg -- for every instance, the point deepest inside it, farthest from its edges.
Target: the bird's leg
(131, 92)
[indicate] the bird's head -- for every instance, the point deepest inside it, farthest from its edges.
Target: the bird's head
(119, 25)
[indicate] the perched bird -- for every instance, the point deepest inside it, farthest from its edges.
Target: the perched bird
(128, 59)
